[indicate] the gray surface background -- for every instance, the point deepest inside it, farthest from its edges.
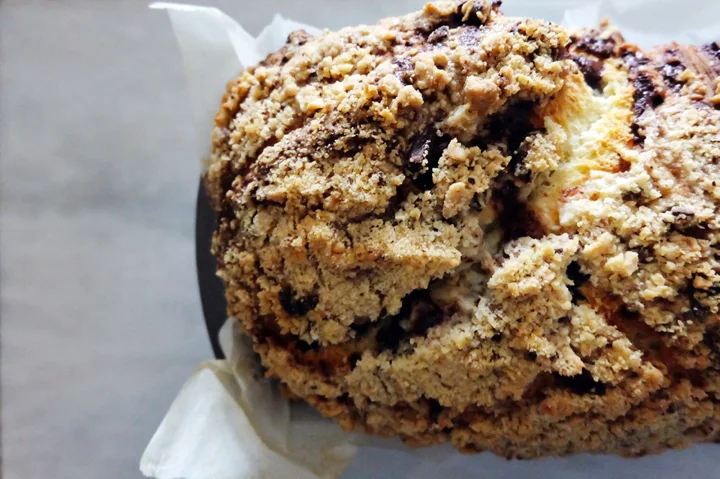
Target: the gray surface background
(101, 320)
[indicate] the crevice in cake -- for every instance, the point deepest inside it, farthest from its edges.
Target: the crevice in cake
(417, 314)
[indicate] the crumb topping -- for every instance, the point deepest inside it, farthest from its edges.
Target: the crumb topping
(461, 226)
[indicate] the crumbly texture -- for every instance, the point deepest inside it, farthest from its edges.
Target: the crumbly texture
(460, 226)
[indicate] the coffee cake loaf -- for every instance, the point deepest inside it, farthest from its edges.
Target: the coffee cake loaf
(461, 226)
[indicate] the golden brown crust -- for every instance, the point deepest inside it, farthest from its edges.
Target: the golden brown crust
(461, 226)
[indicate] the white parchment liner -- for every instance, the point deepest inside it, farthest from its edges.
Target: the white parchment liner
(227, 423)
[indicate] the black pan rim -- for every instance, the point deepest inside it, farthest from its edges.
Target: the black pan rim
(212, 291)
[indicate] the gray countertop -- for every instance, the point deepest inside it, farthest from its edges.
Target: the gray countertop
(101, 319)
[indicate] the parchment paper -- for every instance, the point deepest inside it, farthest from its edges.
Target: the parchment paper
(227, 422)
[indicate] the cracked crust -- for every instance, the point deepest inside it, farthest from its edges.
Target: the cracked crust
(460, 226)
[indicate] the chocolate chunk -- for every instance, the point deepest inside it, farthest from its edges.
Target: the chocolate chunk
(637, 135)
(582, 383)
(575, 274)
(670, 72)
(601, 47)
(497, 337)
(417, 159)
(296, 306)
(712, 49)
(512, 125)
(439, 34)
(424, 155)
(531, 355)
(299, 37)
(698, 231)
(517, 165)
(514, 216)
(635, 196)
(645, 96)
(591, 70)
(645, 254)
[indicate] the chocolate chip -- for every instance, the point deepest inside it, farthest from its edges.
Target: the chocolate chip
(645, 254)
(517, 165)
(591, 70)
(439, 34)
(712, 49)
(531, 355)
(645, 96)
(497, 337)
(635, 196)
(417, 158)
(698, 231)
(638, 137)
(582, 383)
(670, 73)
(601, 47)
(299, 37)
(296, 306)
(514, 216)
(575, 274)
(512, 125)
(424, 155)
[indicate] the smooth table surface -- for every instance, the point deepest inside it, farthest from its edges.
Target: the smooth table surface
(101, 318)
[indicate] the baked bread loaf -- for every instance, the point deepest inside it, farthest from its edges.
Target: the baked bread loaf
(460, 226)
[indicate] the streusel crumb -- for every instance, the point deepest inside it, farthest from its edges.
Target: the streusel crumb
(460, 226)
